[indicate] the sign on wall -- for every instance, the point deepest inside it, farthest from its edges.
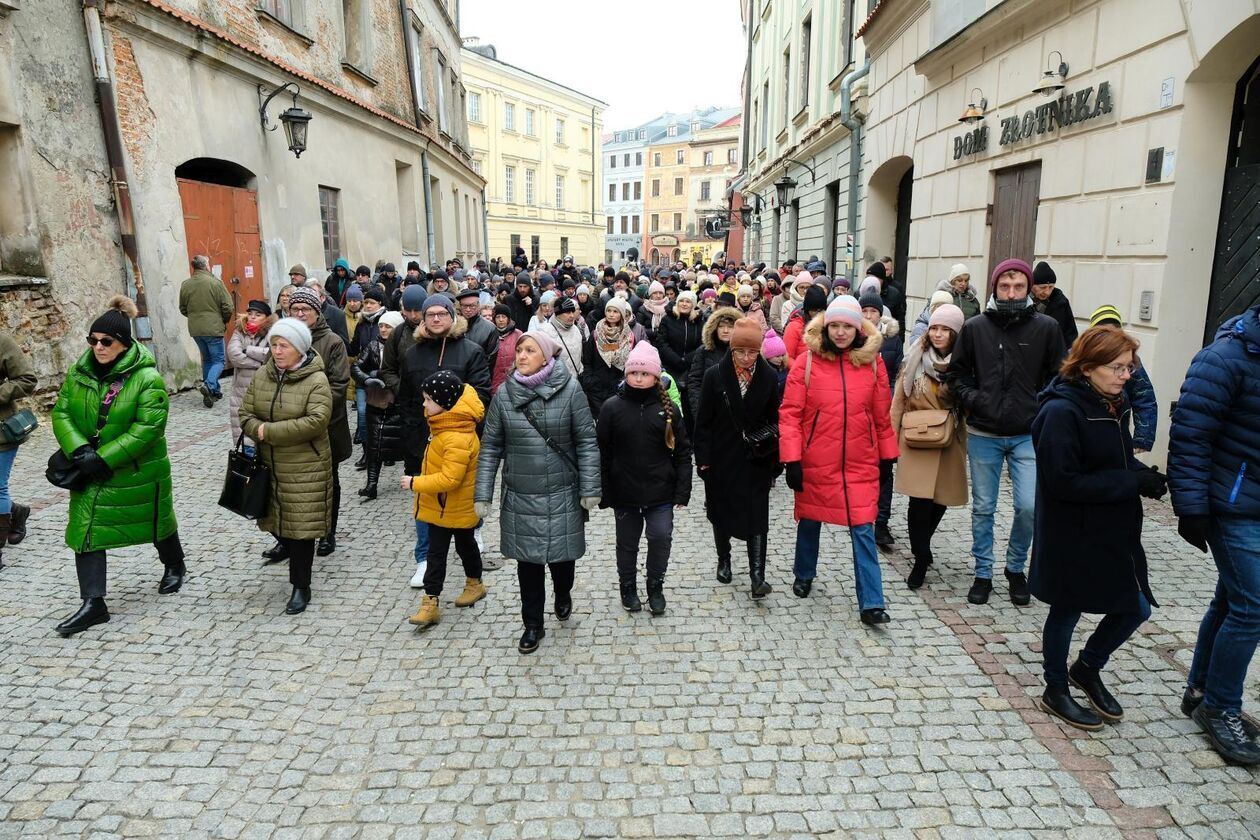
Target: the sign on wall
(1068, 109)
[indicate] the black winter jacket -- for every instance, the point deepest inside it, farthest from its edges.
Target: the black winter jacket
(1000, 363)
(677, 340)
(638, 469)
(486, 337)
(453, 352)
(522, 312)
(1057, 307)
(598, 380)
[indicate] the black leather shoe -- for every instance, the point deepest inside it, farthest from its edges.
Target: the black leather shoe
(1017, 582)
(326, 545)
(1088, 680)
(1190, 700)
(298, 600)
(530, 639)
(17, 525)
(369, 492)
(564, 607)
(656, 596)
(1059, 703)
(918, 573)
(278, 553)
(979, 592)
(630, 599)
(724, 570)
(883, 536)
(172, 579)
(801, 587)
(361, 464)
(92, 612)
(875, 616)
(1228, 735)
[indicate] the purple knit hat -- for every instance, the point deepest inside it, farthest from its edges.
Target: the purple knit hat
(1012, 264)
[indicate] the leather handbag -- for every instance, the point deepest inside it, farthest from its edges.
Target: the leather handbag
(15, 430)
(247, 485)
(763, 441)
(63, 472)
(929, 428)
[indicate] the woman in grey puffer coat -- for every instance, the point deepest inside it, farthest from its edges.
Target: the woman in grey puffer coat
(539, 425)
(247, 350)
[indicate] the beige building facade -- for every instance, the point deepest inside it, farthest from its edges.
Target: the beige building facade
(1128, 175)
(714, 157)
(536, 142)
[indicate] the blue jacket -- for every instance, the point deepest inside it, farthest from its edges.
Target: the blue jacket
(1214, 443)
(1141, 394)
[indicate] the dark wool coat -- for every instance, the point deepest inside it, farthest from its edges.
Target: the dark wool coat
(638, 469)
(737, 485)
(332, 350)
(426, 356)
(1087, 535)
(1058, 308)
(599, 381)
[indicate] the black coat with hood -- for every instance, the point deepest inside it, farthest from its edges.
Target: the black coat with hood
(1057, 307)
(1087, 533)
(426, 356)
(677, 339)
(638, 469)
(707, 354)
(383, 441)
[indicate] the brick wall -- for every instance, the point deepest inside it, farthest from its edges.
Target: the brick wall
(134, 114)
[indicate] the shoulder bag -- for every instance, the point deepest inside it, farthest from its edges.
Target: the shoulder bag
(15, 430)
(928, 428)
(247, 485)
(556, 448)
(763, 441)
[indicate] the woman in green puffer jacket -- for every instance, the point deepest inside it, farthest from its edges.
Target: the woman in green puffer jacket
(287, 410)
(110, 420)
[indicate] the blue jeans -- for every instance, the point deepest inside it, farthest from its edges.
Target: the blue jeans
(1231, 626)
(986, 456)
(866, 573)
(422, 541)
(1113, 631)
(7, 457)
(211, 347)
(360, 404)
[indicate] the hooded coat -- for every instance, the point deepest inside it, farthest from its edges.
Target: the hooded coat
(965, 300)
(332, 350)
(448, 473)
(677, 340)
(838, 427)
(247, 353)
(1087, 533)
(383, 441)
(541, 519)
(705, 356)
(452, 351)
(1057, 307)
(296, 407)
(337, 283)
(638, 469)
(135, 504)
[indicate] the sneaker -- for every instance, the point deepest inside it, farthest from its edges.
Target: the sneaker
(1224, 729)
(207, 396)
(1017, 583)
(630, 599)
(979, 592)
(883, 536)
(417, 580)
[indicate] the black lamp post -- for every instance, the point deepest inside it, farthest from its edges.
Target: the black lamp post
(783, 187)
(294, 119)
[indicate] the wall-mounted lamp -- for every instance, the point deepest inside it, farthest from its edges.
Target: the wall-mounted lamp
(1052, 80)
(294, 119)
(786, 182)
(974, 112)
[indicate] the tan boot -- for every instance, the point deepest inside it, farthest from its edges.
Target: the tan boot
(474, 591)
(428, 614)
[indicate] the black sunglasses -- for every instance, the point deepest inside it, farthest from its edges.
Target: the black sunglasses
(104, 342)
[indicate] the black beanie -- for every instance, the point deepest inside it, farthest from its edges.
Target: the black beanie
(363, 271)
(444, 387)
(116, 322)
(870, 300)
(877, 270)
(1043, 273)
(815, 300)
(413, 266)
(374, 293)
(503, 309)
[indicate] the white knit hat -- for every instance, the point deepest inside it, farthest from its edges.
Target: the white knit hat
(293, 331)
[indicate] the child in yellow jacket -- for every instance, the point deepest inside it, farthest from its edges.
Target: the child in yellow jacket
(445, 487)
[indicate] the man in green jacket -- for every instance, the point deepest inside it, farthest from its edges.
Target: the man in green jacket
(206, 305)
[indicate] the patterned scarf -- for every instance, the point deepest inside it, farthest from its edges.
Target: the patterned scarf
(923, 366)
(613, 343)
(744, 375)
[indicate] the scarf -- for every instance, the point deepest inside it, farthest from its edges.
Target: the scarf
(923, 366)
(657, 308)
(252, 329)
(744, 375)
(1112, 403)
(537, 378)
(613, 344)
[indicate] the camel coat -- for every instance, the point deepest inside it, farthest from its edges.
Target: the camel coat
(936, 474)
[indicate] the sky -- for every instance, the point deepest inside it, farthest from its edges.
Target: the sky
(642, 57)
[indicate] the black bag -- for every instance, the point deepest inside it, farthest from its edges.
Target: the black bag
(15, 430)
(763, 441)
(247, 485)
(65, 473)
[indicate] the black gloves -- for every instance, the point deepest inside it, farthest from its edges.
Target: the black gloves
(91, 464)
(1194, 529)
(1152, 484)
(794, 476)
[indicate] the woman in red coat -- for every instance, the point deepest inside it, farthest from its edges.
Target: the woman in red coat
(834, 429)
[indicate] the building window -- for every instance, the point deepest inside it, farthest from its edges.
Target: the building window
(678, 221)
(564, 245)
(509, 116)
(625, 159)
(634, 224)
(765, 118)
(787, 84)
(732, 155)
(704, 190)
(806, 29)
(638, 190)
(474, 107)
(612, 192)
(638, 158)
(477, 166)
(355, 29)
(533, 248)
(559, 132)
(610, 224)
(509, 184)
(708, 158)
(559, 192)
(656, 187)
(529, 187)
(516, 243)
(625, 224)
(612, 161)
(292, 13)
(642, 133)
(586, 138)
(330, 223)
(672, 131)
(529, 121)
(678, 186)
(625, 191)
(656, 221)
(680, 156)
(417, 71)
(656, 158)
(443, 121)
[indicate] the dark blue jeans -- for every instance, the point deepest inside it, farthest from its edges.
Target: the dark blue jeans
(866, 572)
(211, 348)
(1056, 639)
(1231, 627)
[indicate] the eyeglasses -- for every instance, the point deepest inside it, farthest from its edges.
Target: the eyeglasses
(1119, 370)
(300, 309)
(437, 316)
(104, 342)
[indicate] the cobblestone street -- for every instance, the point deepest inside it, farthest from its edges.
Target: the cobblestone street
(209, 713)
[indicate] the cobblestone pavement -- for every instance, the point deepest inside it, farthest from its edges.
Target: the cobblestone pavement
(210, 714)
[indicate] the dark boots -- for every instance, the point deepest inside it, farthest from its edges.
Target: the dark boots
(91, 613)
(172, 578)
(917, 574)
(278, 553)
(17, 523)
(326, 545)
(298, 600)
(724, 569)
(1059, 703)
(530, 639)
(1089, 680)
(656, 595)
(630, 597)
(373, 477)
(5, 523)
(757, 566)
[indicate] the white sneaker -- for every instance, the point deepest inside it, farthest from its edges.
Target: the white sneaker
(417, 580)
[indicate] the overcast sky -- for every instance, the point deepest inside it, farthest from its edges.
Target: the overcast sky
(641, 57)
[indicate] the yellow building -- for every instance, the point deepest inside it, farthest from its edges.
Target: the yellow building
(534, 141)
(666, 174)
(714, 156)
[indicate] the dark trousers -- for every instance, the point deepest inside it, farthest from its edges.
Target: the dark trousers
(336, 501)
(885, 492)
(90, 565)
(301, 559)
(660, 534)
(923, 516)
(532, 578)
(439, 546)
(1111, 632)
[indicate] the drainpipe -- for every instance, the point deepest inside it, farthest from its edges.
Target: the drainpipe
(428, 204)
(485, 228)
(117, 162)
(594, 140)
(853, 122)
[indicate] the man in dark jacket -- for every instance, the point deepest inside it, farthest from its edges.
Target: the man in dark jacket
(523, 301)
(479, 329)
(1215, 435)
(205, 303)
(1050, 300)
(1001, 361)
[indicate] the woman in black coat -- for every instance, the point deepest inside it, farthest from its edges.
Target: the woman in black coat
(714, 342)
(737, 482)
(382, 442)
(678, 338)
(1087, 536)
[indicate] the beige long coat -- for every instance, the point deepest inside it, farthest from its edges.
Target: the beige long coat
(936, 474)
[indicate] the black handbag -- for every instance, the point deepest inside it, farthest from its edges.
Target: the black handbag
(63, 471)
(763, 441)
(247, 485)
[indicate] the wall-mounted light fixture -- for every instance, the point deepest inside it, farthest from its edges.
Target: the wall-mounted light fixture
(787, 183)
(294, 119)
(1052, 80)
(974, 112)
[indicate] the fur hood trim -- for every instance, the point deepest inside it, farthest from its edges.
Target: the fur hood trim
(709, 336)
(266, 326)
(863, 355)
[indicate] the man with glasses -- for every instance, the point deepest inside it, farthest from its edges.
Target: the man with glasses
(480, 331)
(1001, 361)
(205, 303)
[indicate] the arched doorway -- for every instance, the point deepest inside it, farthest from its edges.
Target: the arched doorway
(888, 199)
(654, 257)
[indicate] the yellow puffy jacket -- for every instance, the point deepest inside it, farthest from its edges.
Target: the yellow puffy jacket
(444, 489)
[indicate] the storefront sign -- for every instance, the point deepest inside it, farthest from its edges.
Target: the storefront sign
(1068, 109)
(664, 240)
(971, 142)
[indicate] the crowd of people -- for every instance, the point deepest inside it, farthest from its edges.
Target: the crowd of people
(563, 390)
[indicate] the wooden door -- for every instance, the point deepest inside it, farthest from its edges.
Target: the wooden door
(1015, 199)
(222, 223)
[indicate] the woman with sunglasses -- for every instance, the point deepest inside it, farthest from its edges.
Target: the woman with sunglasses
(110, 420)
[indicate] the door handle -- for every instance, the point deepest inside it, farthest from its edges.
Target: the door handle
(236, 281)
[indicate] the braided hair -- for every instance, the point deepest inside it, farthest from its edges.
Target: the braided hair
(668, 406)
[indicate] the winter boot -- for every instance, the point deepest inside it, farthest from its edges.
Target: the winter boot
(326, 545)
(1059, 703)
(656, 595)
(530, 639)
(1017, 583)
(979, 592)
(91, 613)
(278, 553)
(757, 567)
(630, 598)
(172, 578)
(474, 591)
(915, 579)
(373, 478)
(298, 600)
(429, 613)
(1089, 680)
(17, 525)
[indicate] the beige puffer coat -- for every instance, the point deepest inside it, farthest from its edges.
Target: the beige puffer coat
(295, 406)
(247, 353)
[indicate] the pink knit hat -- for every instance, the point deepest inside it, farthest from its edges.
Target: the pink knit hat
(644, 359)
(947, 315)
(773, 347)
(844, 309)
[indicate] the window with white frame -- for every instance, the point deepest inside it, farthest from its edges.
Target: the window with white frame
(634, 224)
(559, 192)
(612, 192)
(732, 155)
(477, 166)
(559, 132)
(474, 107)
(806, 31)
(708, 158)
(680, 156)
(417, 69)
(292, 13)
(612, 161)
(704, 190)
(529, 187)
(509, 116)
(656, 158)
(638, 190)
(509, 184)
(529, 121)
(638, 158)
(625, 191)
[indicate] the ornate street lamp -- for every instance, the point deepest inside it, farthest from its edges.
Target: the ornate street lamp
(294, 119)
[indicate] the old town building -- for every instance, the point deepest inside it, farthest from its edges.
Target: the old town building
(714, 157)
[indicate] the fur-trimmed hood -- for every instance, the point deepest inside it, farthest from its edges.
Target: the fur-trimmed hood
(457, 330)
(860, 356)
(266, 326)
(709, 337)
